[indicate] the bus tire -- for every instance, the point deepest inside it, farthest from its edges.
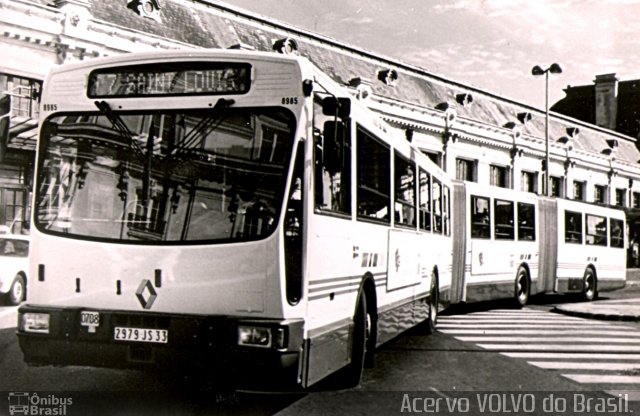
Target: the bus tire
(434, 301)
(359, 342)
(589, 285)
(17, 292)
(522, 287)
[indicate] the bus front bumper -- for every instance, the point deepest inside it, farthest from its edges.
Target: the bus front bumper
(247, 349)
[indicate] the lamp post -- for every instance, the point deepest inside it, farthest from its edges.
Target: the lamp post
(537, 71)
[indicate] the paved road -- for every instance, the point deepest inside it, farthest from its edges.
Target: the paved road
(8, 316)
(602, 354)
(480, 352)
(487, 354)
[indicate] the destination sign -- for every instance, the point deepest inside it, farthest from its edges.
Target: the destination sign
(185, 78)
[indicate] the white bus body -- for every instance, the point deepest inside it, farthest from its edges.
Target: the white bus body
(511, 244)
(591, 254)
(213, 207)
(498, 241)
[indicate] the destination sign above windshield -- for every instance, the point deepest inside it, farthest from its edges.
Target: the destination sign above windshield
(185, 78)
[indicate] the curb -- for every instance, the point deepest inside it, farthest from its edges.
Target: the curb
(595, 315)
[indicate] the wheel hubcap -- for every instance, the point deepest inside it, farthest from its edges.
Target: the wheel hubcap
(588, 286)
(17, 291)
(522, 288)
(367, 326)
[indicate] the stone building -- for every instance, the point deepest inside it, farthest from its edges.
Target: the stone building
(473, 134)
(608, 103)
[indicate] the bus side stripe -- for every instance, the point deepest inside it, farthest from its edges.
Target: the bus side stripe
(348, 284)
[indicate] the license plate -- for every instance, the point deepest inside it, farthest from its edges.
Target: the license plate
(160, 336)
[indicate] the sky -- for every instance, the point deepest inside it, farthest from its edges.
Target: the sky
(487, 44)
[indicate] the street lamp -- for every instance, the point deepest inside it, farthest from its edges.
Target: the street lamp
(537, 71)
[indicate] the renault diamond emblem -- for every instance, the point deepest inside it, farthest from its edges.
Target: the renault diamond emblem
(146, 294)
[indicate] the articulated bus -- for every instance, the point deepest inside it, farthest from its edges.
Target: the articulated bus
(237, 212)
(234, 211)
(510, 244)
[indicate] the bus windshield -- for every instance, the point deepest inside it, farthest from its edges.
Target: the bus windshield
(164, 176)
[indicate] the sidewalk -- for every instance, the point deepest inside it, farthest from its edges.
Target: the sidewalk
(615, 309)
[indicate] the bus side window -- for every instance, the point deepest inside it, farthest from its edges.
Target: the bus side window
(617, 239)
(526, 222)
(572, 227)
(332, 159)
(424, 195)
(374, 177)
(596, 231)
(437, 206)
(446, 210)
(504, 229)
(405, 189)
(480, 217)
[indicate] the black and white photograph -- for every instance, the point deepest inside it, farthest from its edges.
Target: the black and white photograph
(339, 207)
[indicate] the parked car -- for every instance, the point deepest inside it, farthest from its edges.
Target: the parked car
(14, 264)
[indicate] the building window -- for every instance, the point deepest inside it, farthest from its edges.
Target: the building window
(436, 157)
(25, 95)
(636, 199)
(529, 182)
(578, 190)
(499, 176)
(621, 197)
(466, 170)
(600, 194)
(556, 186)
(14, 205)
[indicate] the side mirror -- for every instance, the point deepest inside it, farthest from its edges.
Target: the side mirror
(336, 106)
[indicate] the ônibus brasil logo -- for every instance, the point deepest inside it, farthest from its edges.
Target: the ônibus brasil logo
(33, 404)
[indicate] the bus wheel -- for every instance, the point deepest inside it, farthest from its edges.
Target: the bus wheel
(359, 341)
(523, 287)
(434, 301)
(590, 285)
(16, 293)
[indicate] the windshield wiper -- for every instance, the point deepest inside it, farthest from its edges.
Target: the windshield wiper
(204, 127)
(121, 127)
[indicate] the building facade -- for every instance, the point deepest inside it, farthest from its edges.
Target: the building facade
(473, 134)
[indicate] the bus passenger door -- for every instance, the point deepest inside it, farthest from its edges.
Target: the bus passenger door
(332, 278)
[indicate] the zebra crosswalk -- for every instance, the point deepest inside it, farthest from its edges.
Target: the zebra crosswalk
(602, 353)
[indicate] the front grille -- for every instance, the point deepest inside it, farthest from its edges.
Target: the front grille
(142, 321)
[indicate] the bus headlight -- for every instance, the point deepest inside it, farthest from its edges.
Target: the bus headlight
(262, 336)
(35, 322)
